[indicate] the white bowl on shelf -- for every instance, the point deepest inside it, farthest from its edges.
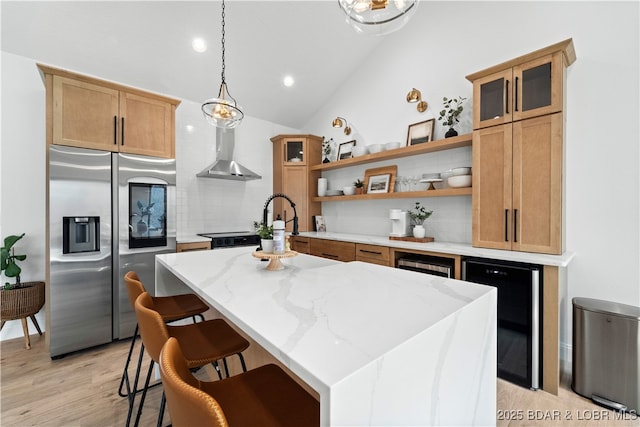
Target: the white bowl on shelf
(391, 145)
(459, 181)
(460, 171)
(349, 190)
(359, 150)
(376, 148)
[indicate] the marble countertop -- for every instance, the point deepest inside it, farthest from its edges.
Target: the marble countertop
(325, 320)
(449, 248)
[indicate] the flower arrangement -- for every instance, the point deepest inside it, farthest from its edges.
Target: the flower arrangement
(262, 230)
(450, 114)
(327, 146)
(419, 214)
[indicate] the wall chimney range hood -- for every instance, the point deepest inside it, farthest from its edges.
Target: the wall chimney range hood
(225, 167)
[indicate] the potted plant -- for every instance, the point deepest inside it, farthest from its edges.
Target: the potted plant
(450, 115)
(359, 186)
(266, 235)
(418, 215)
(19, 300)
(327, 146)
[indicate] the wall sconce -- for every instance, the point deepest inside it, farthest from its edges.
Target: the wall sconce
(338, 122)
(413, 96)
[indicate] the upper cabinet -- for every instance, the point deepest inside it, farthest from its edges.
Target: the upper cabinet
(529, 86)
(91, 113)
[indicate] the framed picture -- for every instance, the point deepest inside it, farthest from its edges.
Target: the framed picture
(419, 133)
(319, 223)
(380, 180)
(344, 149)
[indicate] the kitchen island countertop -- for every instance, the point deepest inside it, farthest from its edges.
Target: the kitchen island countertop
(381, 346)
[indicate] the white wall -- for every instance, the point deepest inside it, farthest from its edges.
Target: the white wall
(446, 41)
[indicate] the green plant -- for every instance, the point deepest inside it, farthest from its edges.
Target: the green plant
(327, 145)
(8, 260)
(418, 214)
(450, 115)
(264, 231)
(358, 184)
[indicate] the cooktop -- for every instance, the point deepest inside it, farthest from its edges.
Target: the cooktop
(232, 238)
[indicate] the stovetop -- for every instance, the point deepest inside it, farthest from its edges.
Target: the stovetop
(232, 239)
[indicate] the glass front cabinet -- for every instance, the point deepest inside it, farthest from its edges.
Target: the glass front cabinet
(519, 92)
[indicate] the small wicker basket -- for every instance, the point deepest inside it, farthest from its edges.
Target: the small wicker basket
(21, 302)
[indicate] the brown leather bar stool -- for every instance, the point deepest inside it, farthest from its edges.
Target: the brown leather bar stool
(203, 343)
(171, 308)
(265, 396)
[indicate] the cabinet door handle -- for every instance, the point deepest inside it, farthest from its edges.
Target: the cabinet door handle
(122, 133)
(330, 255)
(515, 107)
(506, 225)
(515, 225)
(370, 252)
(115, 130)
(506, 97)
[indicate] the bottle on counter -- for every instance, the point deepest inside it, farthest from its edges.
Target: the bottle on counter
(278, 236)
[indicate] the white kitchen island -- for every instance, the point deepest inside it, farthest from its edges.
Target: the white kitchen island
(380, 346)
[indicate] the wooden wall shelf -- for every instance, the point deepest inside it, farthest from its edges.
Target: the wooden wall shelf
(428, 147)
(445, 192)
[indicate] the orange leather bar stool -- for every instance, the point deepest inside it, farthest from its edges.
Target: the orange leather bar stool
(203, 343)
(171, 308)
(265, 396)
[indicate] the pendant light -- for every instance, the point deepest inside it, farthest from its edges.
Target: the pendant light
(378, 17)
(223, 111)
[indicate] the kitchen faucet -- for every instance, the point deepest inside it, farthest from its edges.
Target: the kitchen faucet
(293, 205)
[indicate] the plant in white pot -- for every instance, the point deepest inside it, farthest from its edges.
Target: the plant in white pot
(418, 216)
(266, 235)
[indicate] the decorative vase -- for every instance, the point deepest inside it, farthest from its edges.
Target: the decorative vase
(451, 132)
(419, 231)
(326, 160)
(322, 187)
(267, 245)
(359, 190)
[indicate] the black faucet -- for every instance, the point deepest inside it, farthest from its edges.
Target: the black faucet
(293, 205)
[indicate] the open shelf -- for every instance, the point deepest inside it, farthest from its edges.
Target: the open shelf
(445, 192)
(427, 147)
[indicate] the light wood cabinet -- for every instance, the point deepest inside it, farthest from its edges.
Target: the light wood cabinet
(293, 156)
(529, 86)
(374, 254)
(91, 113)
(193, 246)
(518, 152)
(299, 244)
(333, 249)
(517, 182)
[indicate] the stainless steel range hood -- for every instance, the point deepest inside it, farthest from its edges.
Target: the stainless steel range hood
(225, 167)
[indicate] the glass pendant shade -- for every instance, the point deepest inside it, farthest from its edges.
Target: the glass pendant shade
(378, 17)
(222, 112)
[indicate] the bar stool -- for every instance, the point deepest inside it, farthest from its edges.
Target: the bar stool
(171, 308)
(203, 343)
(265, 396)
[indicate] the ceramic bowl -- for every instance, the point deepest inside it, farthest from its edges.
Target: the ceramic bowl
(391, 145)
(359, 150)
(461, 171)
(457, 181)
(349, 191)
(376, 148)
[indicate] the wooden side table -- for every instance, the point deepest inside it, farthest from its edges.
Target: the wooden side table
(21, 303)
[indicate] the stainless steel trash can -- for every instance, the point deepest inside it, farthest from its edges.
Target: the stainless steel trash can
(606, 349)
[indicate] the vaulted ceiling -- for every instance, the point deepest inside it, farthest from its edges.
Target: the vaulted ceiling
(147, 44)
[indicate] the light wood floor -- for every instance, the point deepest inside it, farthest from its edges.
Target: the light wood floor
(81, 390)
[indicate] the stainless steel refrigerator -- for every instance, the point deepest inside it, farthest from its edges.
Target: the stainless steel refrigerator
(108, 213)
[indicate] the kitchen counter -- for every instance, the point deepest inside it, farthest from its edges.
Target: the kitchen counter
(464, 249)
(380, 346)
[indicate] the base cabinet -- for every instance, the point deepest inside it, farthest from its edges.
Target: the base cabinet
(193, 246)
(333, 249)
(373, 254)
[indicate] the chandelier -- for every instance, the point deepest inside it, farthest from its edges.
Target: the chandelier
(378, 17)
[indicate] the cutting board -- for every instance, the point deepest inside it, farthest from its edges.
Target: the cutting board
(412, 239)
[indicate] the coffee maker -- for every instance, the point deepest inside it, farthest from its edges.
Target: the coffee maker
(400, 225)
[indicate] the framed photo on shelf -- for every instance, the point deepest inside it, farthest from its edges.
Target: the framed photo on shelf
(380, 180)
(319, 224)
(344, 149)
(421, 132)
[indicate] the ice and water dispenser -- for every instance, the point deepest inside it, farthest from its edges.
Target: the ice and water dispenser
(80, 234)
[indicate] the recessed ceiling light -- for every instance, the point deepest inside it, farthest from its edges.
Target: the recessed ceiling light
(288, 81)
(199, 45)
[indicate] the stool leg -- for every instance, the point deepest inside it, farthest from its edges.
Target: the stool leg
(35, 323)
(144, 394)
(125, 371)
(244, 366)
(161, 413)
(25, 329)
